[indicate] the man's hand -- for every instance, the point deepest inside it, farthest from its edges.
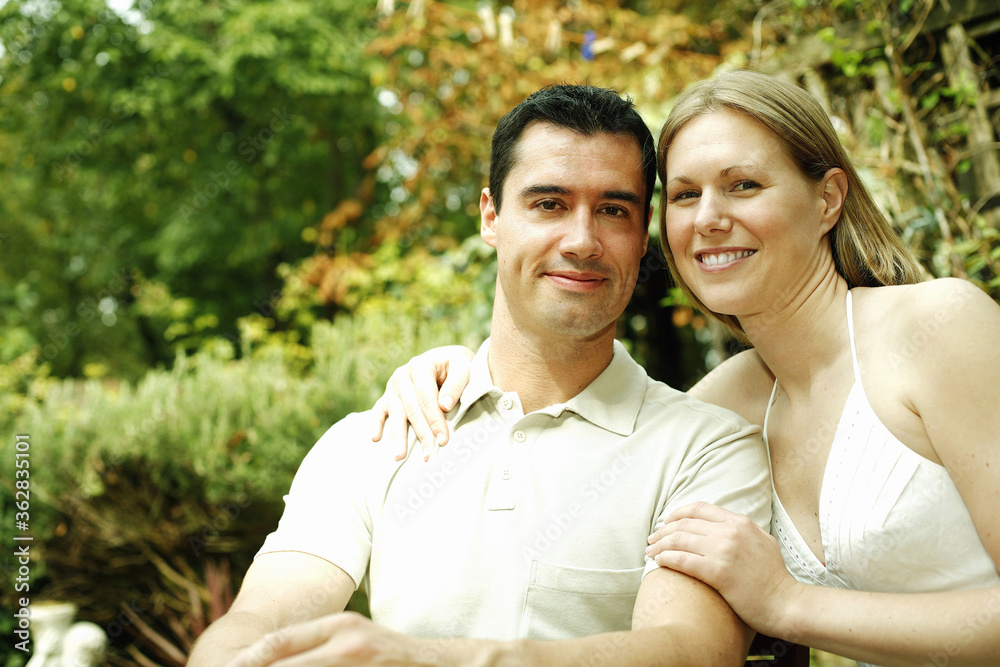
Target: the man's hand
(347, 639)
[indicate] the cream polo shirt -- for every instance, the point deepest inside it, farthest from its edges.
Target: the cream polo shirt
(523, 526)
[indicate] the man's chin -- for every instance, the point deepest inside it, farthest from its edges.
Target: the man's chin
(582, 326)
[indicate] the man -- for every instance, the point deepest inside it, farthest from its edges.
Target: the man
(532, 524)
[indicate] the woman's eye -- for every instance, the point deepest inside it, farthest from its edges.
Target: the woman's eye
(744, 185)
(548, 205)
(687, 194)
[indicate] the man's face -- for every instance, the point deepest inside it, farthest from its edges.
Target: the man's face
(571, 233)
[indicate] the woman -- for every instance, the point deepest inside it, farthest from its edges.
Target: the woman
(877, 394)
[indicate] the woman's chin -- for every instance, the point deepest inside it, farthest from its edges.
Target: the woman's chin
(725, 304)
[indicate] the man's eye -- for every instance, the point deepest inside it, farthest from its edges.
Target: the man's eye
(548, 205)
(616, 211)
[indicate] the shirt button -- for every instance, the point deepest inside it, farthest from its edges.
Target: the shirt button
(520, 436)
(506, 473)
(506, 403)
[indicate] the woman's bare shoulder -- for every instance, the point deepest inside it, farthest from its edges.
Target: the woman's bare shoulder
(914, 315)
(925, 298)
(741, 383)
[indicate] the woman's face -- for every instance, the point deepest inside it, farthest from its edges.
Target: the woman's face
(745, 226)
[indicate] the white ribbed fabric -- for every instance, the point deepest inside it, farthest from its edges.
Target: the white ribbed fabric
(890, 520)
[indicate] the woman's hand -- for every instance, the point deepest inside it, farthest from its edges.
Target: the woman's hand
(419, 393)
(730, 553)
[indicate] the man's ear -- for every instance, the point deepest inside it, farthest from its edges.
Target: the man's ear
(487, 218)
(834, 185)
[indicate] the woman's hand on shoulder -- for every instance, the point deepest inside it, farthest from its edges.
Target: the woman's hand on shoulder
(741, 383)
(419, 393)
(733, 555)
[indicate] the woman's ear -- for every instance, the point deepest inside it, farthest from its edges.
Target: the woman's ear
(487, 218)
(834, 193)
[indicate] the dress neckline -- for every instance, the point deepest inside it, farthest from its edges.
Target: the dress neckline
(788, 531)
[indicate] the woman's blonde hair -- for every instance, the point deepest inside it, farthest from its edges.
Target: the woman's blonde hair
(866, 250)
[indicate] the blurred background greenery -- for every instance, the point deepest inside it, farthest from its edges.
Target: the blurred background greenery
(223, 223)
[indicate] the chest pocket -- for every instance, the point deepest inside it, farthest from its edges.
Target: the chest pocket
(566, 602)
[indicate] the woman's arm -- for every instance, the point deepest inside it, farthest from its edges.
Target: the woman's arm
(741, 383)
(419, 393)
(953, 334)
(954, 391)
(733, 555)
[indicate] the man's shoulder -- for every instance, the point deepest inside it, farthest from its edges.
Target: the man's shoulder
(349, 442)
(347, 429)
(665, 402)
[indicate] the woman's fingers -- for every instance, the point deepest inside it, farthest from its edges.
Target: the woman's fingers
(399, 427)
(457, 377)
(693, 512)
(413, 399)
(380, 412)
(420, 398)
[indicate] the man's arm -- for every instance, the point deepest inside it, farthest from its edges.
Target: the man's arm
(678, 621)
(280, 589)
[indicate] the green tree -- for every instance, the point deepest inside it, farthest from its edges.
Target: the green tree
(159, 165)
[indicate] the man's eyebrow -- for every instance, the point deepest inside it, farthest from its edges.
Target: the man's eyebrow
(532, 190)
(622, 195)
(619, 195)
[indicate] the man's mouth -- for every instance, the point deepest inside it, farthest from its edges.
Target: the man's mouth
(573, 280)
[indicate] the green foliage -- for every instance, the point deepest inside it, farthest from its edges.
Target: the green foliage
(914, 133)
(186, 141)
(237, 218)
(189, 464)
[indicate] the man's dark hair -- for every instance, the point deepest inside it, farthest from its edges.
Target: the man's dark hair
(588, 110)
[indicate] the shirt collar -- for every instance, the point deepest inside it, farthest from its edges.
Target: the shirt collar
(480, 383)
(612, 401)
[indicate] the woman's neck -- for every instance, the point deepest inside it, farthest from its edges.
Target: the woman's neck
(805, 336)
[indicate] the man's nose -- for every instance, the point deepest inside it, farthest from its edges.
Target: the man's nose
(581, 237)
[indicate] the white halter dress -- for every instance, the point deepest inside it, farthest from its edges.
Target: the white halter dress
(890, 520)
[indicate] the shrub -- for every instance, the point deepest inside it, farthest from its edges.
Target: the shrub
(145, 499)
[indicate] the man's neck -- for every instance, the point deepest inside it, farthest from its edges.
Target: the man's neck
(542, 370)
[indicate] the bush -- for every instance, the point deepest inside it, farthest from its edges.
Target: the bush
(145, 499)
